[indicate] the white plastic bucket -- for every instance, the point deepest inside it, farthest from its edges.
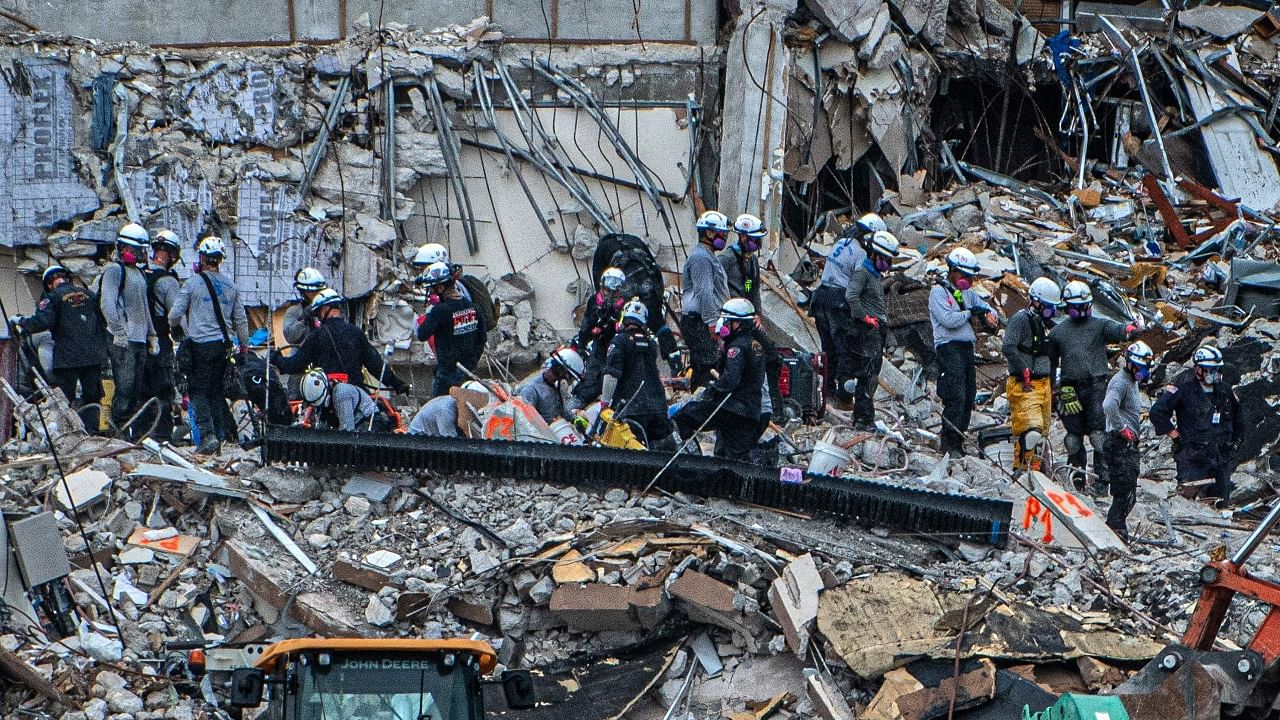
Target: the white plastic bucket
(565, 432)
(828, 459)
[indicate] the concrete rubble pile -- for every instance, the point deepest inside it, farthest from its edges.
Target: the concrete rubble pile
(679, 606)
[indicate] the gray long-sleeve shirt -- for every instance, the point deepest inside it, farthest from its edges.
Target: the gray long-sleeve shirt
(1079, 347)
(865, 294)
(353, 406)
(1021, 347)
(1121, 403)
(845, 257)
(124, 306)
(438, 418)
(543, 396)
(706, 287)
(296, 323)
(194, 310)
(950, 321)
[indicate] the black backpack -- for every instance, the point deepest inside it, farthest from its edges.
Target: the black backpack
(629, 254)
(483, 301)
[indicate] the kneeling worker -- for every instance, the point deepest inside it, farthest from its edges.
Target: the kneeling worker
(542, 391)
(341, 403)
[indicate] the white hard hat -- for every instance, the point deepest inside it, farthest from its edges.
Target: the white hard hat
(133, 234)
(309, 279)
(612, 278)
(872, 223)
(327, 296)
(635, 310)
(737, 309)
(1077, 293)
(1045, 292)
(436, 273)
(314, 386)
(567, 358)
(212, 246)
(1139, 353)
(1207, 356)
(963, 260)
(430, 254)
(712, 220)
(749, 225)
(884, 243)
(167, 239)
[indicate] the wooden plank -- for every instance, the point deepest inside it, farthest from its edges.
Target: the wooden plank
(180, 545)
(360, 576)
(26, 676)
(570, 569)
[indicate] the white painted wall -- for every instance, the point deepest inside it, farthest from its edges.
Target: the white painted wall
(662, 143)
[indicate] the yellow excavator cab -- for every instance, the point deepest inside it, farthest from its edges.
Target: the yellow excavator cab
(374, 679)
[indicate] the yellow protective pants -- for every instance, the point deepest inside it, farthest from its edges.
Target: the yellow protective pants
(1028, 410)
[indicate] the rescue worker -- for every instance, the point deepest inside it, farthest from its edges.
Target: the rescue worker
(161, 374)
(830, 310)
(738, 390)
(542, 391)
(953, 304)
(297, 317)
(432, 253)
(1078, 350)
(1124, 413)
(741, 261)
(338, 348)
(122, 296)
(704, 289)
(210, 313)
(340, 403)
(599, 323)
(1201, 413)
(451, 326)
(70, 314)
(631, 384)
(865, 298)
(1029, 387)
(439, 417)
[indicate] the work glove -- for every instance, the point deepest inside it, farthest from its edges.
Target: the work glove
(1070, 403)
(581, 423)
(15, 322)
(153, 346)
(1026, 379)
(419, 320)
(871, 320)
(1129, 435)
(958, 296)
(674, 362)
(120, 341)
(606, 415)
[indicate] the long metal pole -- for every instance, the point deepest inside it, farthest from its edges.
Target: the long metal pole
(1256, 537)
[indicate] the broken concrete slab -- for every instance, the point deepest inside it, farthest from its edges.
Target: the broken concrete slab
(794, 599)
(594, 607)
(1220, 21)
(845, 20)
(84, 490)
(373, 489)
(705, 599)
(319, 611)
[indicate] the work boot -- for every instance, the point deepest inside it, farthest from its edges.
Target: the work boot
(209, 446)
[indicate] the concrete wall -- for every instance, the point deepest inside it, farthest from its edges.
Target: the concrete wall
(508, 223)
(259, 21)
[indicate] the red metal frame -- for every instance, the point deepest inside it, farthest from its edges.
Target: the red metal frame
(1215, 599)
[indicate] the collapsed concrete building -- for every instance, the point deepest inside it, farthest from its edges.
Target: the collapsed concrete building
(342, 135)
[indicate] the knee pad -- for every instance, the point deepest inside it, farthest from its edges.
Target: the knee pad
(1097, 439)
(1031, 440)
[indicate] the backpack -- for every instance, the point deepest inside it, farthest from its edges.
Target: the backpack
(632, 256)
(483, 301)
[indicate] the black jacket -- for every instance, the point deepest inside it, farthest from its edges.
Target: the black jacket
(633, 360)
(453, 327)
(599, 323)
(743, 274)
(741, 376)
(70, 313)
(337, 346)
(1194, 411)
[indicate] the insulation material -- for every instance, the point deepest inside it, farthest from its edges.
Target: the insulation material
(237, 107)
(39, 186)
